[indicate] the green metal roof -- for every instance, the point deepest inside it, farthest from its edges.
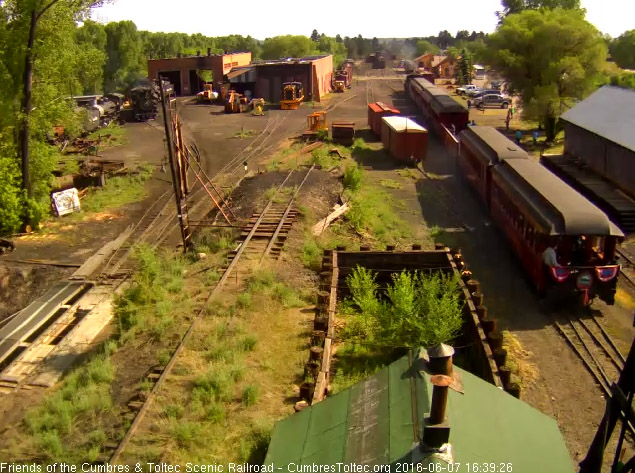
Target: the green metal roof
(379, 421)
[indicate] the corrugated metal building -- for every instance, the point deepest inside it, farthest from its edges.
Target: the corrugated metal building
(380, 421)
(600, 131)
(264, 79)
(181, 71)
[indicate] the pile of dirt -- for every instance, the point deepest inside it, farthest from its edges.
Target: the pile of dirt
(22, 284)
(318, 194)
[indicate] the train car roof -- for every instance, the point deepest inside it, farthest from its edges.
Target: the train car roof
(491, 144)
(440, 100)
(558, 207)
(403, 124)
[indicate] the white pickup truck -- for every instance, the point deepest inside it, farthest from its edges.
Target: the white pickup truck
(466, 88)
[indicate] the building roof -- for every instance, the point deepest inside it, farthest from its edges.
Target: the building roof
(557, 207)
(436, 60)
(285, 61)
(403, 124)
(379, 421)
(492, 144)
(607, 112)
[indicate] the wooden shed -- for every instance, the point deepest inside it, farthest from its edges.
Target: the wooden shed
(376, 111)
(404, 139)
(599, 132)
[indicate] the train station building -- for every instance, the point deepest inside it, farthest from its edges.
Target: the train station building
(182, 71)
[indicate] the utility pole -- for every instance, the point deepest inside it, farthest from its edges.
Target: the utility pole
(181, 202)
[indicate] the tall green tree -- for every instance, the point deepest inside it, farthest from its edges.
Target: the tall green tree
(315, 36)
(424, 46)
(516, 6)
(38, 45)
(90, 39)
(464, 71)
(547, 71)
(288, 46)
(623, 50)
(126, 63)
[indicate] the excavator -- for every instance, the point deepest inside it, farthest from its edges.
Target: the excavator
(207, 94)
(292, 95)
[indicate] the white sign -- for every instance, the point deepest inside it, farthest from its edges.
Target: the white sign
(66, 202)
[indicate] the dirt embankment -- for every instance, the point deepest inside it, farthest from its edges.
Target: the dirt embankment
(21, 284)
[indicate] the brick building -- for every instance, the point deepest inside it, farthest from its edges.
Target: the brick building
(181, 71)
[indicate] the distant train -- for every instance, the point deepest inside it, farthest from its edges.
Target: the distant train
(534, 209)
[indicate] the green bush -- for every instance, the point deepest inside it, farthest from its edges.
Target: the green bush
(417, 310)
(353, 176)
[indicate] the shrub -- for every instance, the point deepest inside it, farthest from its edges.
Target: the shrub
(418, 309)
(353, 178)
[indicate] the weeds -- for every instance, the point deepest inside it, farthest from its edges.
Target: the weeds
(85, 392)
(372, 211)
(250, 395)
(117, 191)
(147, 306)
(244, 133)
(390, 184)
(417, 310)
(353, 176)
(435, 232)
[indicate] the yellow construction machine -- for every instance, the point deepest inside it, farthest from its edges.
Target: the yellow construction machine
(207, 94)
(292, 95)
(235, 102)
(316, 125)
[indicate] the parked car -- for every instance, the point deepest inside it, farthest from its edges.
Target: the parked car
(473, 92)
(492, 101)
(485, 92)
(466, 89)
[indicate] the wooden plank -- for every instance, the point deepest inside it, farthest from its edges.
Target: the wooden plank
(44, 262)
(323, 224)
(95, 261)
(320, 388)
(326, 355)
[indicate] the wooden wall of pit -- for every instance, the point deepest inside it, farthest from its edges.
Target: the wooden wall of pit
(483, 345)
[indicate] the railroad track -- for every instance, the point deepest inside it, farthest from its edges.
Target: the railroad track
(627, 272)
(594, 346)
(262, 238)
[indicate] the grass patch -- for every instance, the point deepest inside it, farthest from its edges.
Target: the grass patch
(214, 240)
(390, 184)
(117, 191)
(408, 173)
(250, 395)
(372, 211)
(244, 133)
(84, 394)
(435, 232)
(109, 136)
(148, 306)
